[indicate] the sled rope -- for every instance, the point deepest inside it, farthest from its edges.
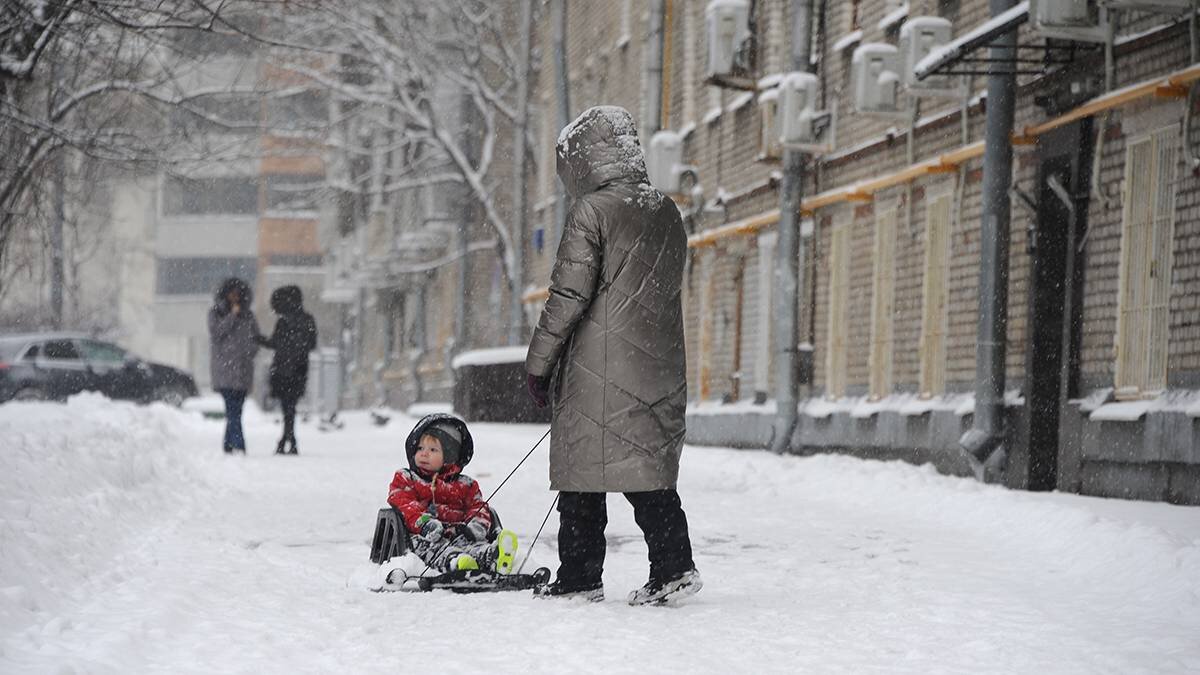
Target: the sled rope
(487, 502)
(533, 543)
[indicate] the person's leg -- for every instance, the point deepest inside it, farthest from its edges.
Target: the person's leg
(660, 515)
(288, 405)
(234, 401)
(581, 545)
(227, 441)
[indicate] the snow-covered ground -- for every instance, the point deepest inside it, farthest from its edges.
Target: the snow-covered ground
(130, 543)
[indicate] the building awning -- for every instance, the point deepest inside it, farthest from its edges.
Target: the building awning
(960, 48)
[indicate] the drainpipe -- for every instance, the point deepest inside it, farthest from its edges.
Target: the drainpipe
(788, 253)
(985, 440)
(653, 67)
(516, 317)
(562, 90)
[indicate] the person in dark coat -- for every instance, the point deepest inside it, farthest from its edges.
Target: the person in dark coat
(294, 337)
(233, 342)
(610, 341)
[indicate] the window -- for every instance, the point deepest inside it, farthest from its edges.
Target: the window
(766, 283)
(305, 110)
(690, 39)
(102, 352)
(292, 193)
(1147, 234)
(770, 145)
(882, 302)
(839, 301)
(60, 350)
(626, 23)
(216, 114)
(295, 260)
(201, 276)
(934, 314)
(224, 195)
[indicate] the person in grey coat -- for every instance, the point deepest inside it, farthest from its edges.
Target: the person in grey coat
(610, 343)
(233, 342)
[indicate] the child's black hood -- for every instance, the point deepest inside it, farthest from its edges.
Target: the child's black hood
(414, 438)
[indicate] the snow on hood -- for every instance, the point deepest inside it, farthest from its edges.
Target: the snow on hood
(601, 146)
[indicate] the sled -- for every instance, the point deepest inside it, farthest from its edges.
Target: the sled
(466, 581)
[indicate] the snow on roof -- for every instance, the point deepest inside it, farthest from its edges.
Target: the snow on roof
(847, 41)
(893, 17)
(958, 46)
(487, 357)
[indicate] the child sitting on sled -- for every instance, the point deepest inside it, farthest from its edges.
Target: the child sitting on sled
(442, 508)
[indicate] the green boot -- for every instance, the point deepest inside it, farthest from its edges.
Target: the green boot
(506, 551)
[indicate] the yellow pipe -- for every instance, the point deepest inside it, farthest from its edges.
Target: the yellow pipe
(665, 114)
(1159, 86)
(1168, 86)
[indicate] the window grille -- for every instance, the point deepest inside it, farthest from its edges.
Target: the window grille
(882, 302)
(1147, 234)
(839, 300)
(934, 314)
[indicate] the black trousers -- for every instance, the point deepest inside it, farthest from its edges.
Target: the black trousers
(581, 544)
(288, 405)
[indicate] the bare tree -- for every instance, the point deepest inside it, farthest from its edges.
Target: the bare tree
(98, 79)
(429, 99)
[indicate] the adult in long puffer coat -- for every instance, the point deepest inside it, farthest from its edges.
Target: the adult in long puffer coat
(610, 343)
(294, 337)
(233, 335)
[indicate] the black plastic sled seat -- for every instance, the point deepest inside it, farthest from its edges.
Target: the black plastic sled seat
(391, 536)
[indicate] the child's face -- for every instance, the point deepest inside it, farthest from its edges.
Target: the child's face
(429, 454)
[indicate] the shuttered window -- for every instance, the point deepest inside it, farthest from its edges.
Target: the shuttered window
(935, 296)
(839, 299)
(1147, 234)
(882, 302)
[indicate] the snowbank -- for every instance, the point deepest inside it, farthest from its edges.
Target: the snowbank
(77, 480)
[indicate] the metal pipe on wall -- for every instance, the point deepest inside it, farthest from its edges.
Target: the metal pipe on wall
(562, 91)
(985, 439)
(516, 315)
(788, 254)
(652, 83)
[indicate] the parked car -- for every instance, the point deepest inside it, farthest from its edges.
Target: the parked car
(53, 366)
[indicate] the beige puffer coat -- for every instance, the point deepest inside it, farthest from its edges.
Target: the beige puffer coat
(612, 329)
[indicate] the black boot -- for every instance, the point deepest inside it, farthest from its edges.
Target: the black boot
(280, 449)
(294, 450)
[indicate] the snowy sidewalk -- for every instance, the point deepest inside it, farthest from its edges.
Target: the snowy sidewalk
(129, 543)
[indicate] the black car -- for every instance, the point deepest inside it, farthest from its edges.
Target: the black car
(53, 366)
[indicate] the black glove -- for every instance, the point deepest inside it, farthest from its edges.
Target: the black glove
(539, 390)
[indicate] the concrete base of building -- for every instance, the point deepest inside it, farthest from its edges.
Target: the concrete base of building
(1155, 458)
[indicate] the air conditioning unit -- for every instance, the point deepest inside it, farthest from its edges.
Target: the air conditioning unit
(875, 74)
(918, 37)
(1075, 20)
(728, 24)
(801, 126)
(664, 161)
(770, 143)
(1155, 6)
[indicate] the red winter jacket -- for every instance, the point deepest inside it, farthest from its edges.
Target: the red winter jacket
(456, 497)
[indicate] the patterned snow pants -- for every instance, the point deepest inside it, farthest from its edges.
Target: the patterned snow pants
(440, 553)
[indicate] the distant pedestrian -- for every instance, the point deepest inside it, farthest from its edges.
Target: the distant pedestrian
(233, 342)
(294, 337)
(610, 341)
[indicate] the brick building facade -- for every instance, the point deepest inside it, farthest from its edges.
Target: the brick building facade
(1102, 368)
